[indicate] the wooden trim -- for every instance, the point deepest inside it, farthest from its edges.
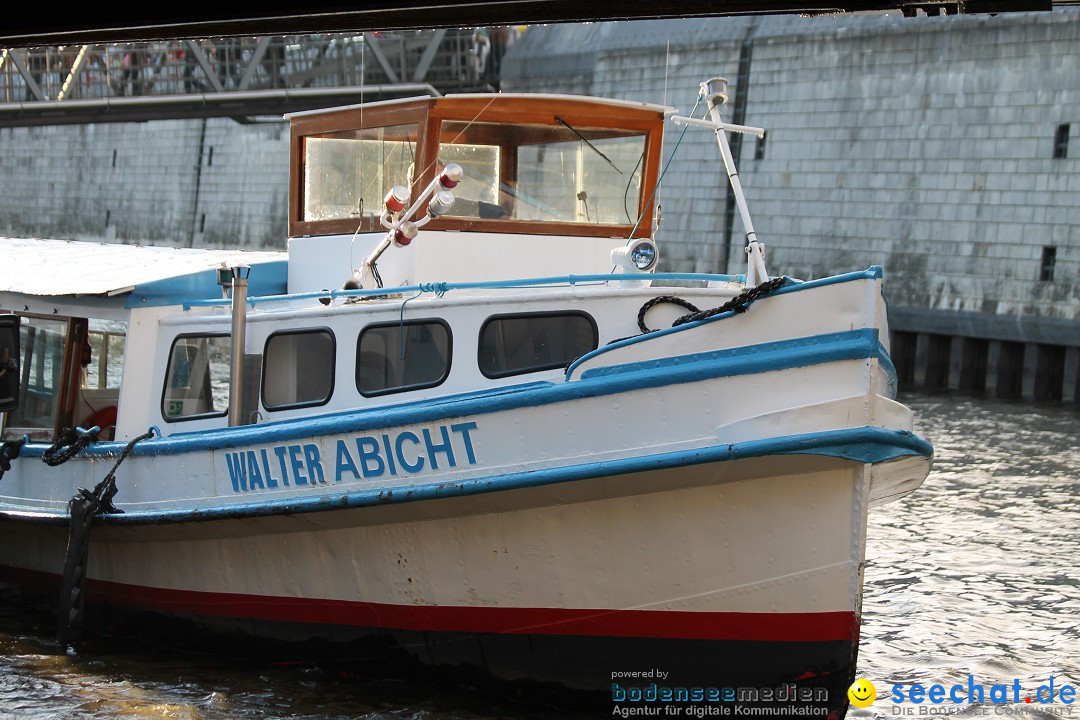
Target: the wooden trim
(429, 113)
(296, 200)
(532, 227)
(70, 377)
(69, 391)
(375, 115)
(343, 121)
(650, 176)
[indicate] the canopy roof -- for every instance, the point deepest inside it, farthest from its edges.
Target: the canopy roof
(147, 275)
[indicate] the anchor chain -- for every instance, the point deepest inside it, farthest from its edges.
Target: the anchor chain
(738, 304)
(72, 441)
(9, 451)
(83, 508)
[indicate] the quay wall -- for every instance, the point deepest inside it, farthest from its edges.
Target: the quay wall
(925, 145)
(181, 183)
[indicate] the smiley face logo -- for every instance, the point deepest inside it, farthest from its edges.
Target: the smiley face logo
(862, 693)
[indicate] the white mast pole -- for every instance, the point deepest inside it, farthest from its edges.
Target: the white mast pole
(715, 92)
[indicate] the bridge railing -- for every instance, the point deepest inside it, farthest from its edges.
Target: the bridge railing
(448, 59)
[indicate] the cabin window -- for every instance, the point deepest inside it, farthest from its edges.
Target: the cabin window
(394, 357)
(106, 339)
(42, 342)
(346, 174)
(197, 379)
(102, 367)
(298, 369)
(516, 344)
(559, 173)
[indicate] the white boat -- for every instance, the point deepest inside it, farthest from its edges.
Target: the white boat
(447, 433)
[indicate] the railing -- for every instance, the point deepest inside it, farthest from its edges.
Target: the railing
(459, 59)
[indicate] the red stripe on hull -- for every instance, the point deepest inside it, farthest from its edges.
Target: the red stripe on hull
(764, 627)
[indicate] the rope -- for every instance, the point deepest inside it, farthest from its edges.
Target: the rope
(71, 442)
(737, 304)
(82, 509)
(650, 304)
(8, 452)
(659, 180)
(106, 489)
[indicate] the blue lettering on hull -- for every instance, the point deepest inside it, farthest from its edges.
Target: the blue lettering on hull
(365, 457)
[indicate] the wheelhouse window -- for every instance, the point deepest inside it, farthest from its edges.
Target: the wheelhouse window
(298, 369)
(524, 343)
(533, 164)
(559, 173)
(197, 378)
(347, 173)
(395, 357)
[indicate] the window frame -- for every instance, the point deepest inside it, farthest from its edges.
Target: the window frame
(373, 116)
(542, 313)
(333, 369)
(165, 380)
(431, 112)
(405, 388)
(66, 392)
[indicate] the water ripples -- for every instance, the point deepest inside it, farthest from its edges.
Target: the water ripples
(976, 572)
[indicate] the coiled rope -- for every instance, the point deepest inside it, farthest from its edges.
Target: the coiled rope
(71, 442)
(737, 304)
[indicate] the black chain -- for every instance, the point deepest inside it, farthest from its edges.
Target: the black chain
(738, 304)
(70, 444)
(8, 452)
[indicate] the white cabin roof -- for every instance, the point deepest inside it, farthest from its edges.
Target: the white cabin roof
(157, 275)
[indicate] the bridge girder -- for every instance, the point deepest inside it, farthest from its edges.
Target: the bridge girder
(82, 24)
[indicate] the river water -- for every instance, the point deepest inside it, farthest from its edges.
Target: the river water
(975, 574)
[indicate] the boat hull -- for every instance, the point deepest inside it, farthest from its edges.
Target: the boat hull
(741, 574)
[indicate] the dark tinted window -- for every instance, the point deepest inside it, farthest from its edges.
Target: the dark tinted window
(394, 357)
(298, 369)
(515, 344)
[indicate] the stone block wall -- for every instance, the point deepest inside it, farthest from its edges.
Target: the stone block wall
(185, 183)
(923, 145)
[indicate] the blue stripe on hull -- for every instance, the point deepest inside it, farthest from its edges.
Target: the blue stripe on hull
(862, 445)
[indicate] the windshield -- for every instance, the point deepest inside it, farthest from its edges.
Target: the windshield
(545, 173)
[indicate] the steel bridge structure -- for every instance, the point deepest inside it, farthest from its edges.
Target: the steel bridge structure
(242, 77)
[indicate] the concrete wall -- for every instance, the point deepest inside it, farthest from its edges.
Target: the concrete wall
(187, 183)
(924, 145)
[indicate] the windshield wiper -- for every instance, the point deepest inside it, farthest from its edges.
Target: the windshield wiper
(585, 140)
